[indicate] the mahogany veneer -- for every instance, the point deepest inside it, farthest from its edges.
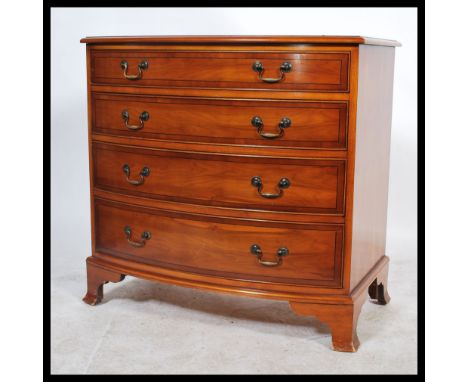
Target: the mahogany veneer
(313, 124)
(249, 165)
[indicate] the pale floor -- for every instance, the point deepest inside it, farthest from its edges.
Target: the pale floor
(143, 327)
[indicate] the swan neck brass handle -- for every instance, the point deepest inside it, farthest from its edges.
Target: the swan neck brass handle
(146, 235)
(283, 124)
(143, 65)
(257, 251)
(285, 67)
(144, 116)
(145, 171)
(257, 182)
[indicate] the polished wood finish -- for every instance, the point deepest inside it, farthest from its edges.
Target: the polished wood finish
(371, 166)
(310, 71)
(221, 180)
(195, 215)
(220, 247)
(313, 124)
(244, 40)
(97, 277)
(341, 319)
(290, 292)
(263, 215)
(221, 148)
(257, 94)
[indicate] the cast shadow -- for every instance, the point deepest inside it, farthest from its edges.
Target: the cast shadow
(225, 305)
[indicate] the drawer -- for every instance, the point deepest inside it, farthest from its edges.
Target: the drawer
(253, 122)
(293, 185)
(252, 70)
(307, 254)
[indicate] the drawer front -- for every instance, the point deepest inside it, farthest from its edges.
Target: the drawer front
(293, 185)
(259, 122)
(310, 254)
(307, 71)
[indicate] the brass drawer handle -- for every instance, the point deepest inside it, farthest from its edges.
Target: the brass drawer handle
(144, 116)
(284, 183)
(285, 67)
(138, 244)
(145, 171)
(283, 124)
(257, 251)
(143, 65)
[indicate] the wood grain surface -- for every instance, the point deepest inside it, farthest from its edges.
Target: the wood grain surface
(313, 124)
(310, 71)
(222, 180)
(264, 40)
(214, 247)
(195, 214)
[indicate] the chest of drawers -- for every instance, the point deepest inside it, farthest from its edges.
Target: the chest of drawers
(248, 165)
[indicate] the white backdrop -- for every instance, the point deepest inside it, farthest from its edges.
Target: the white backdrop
(70, 176)
(70, 208)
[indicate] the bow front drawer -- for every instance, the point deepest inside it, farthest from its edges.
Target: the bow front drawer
(291, 185)
(235, 70)
(280, 252)
(308, 124)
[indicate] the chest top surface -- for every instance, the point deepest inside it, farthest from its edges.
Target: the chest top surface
(338, 40)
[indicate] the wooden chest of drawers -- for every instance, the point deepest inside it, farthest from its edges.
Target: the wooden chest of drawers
(248, 165)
